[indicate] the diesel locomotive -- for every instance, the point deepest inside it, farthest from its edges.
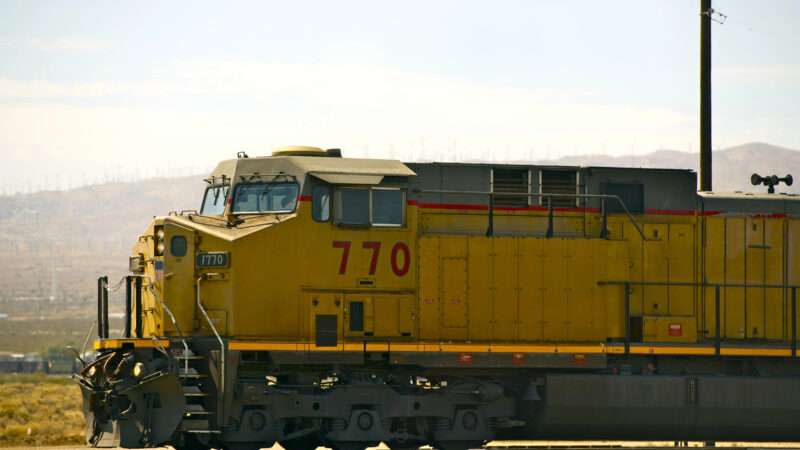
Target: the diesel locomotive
(320, 300)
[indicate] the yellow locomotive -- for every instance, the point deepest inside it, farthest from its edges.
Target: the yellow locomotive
(321, 300)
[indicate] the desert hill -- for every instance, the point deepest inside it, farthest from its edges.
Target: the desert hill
(731, 167)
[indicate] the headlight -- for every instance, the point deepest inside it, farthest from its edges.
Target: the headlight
(158, 240)
(138, 370)
(92, 370)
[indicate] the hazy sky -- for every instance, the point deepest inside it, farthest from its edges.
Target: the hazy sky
(91, 90)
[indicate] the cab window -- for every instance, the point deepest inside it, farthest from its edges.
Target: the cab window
(214, 200)
(265, 198)
(321, 203)
(387, 207)
(352, 206)
(379, 207)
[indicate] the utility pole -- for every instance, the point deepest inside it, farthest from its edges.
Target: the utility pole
(705, 94)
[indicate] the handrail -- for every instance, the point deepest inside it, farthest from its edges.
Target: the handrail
(717, 287)
(174, 322)
(219, 339)
(549, 198)
(102, 307)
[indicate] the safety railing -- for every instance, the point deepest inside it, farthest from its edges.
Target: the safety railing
(102, 307)
(221, 346)
(627, 284)
(549, 200)
(150, 287)
(133, 311)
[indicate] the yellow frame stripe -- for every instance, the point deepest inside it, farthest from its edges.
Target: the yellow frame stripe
(434, 347)
(106, 344)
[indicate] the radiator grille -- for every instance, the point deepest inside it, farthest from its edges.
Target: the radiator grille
(514, 181)
(560, 182)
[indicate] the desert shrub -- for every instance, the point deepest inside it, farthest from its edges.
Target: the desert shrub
(39, 410)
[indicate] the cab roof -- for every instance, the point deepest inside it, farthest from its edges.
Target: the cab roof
(331, 169)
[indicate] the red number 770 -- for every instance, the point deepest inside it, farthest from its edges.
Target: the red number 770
(399, 248)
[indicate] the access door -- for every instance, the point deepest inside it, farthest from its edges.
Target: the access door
(325, 318)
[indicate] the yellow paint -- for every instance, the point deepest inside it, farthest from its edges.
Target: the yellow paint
(670, 329)
(569, 349)
(744, 351)
(108, 344)
(734, 298)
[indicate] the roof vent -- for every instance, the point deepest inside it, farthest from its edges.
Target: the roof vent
(299, 150)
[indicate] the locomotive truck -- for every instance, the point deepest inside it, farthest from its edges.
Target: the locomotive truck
(321, 300)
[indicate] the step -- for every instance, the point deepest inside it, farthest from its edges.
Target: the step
(193, 391)
(191, 373)
(190, 357)
(195, 410)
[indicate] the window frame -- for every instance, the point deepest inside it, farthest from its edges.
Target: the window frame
(330, 190)
(370, 223)
(173, 240)
(242, 213)
(402, 207)
(224, 201)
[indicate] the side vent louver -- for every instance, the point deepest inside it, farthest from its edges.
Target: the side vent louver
(559, 182)
(511, 181)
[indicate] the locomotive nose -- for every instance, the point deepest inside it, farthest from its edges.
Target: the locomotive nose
(127, 405)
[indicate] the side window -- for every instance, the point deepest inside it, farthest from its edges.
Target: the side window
(377, 207)
(214, 200)
(321, 203)
(352, 206)
(387, 207)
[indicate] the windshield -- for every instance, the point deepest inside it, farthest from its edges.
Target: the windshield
(214, 200)
(265, 197)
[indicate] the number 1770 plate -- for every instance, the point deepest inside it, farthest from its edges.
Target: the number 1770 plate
(212, 259)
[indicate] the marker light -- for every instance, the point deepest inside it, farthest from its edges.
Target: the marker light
(138, 370)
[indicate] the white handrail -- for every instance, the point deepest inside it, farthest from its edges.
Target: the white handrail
(174, 322)
(221, 343)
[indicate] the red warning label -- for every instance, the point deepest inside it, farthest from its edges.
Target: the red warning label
(675, 329)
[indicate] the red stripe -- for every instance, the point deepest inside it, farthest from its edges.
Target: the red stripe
(304, 198)
(650, 211)
(670, 212)
(479, 207)
(769, 216)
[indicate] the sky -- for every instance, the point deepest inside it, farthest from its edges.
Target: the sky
(95, 91)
